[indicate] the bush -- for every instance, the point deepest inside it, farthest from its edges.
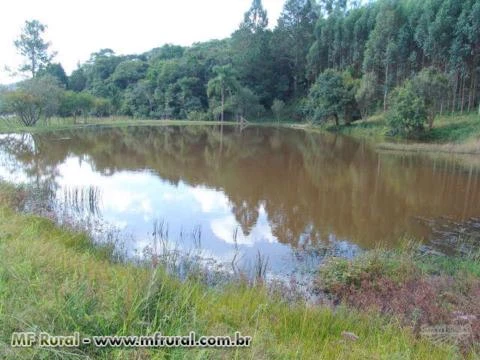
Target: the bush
(374, 264)
(102, 107)
(198, 116)
(332, 96)
(33, 99)
(407, 114)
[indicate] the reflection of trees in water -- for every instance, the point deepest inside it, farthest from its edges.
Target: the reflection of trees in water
(38, 164)
(82, 200)
(310, 185)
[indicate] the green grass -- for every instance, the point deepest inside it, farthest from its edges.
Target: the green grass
(374, 128)
(416, 287)
(458, 133)
(456, 129)
(56, 280)
(14, 126)
(401, 264)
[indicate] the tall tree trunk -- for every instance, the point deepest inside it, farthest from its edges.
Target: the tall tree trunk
(223, 103)
(454, 101)
(385, 92)
(470, 91)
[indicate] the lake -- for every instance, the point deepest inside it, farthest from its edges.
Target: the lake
(289, 196)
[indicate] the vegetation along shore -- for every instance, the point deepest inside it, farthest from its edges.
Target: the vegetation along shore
(398, 76)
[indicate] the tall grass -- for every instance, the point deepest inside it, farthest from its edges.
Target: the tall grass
(418, 286)
(56, 280)
(13, 125)
(459, 133)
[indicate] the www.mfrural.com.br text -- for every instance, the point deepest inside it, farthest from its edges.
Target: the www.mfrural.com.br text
(157, 340)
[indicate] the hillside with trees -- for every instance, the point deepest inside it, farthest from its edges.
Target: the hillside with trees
(324, 60)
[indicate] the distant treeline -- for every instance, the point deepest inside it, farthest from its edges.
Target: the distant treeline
(324, 59)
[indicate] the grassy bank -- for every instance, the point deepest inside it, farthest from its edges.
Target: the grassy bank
(450, 134)
(419, 288)
(56, 280)
(14, 126)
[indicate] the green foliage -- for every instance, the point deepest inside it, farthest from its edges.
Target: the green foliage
(397, 265)
(367, 94)
(76, 104)
(58, 281)
(77, 80)
(292, 39)
(380, 44)
(277, 108)
(26, 106)
(332, 95)
(56, 71)
(129, 72)
(102, 107)
(198, 116)
(33, 47)
(223, 85)
(252, 56)
(36, 97)
(407, 114)
(431, 86)
(255, 19)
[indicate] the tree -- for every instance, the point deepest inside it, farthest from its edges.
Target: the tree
(245, 103)
(138, 100)
(255, 19)
(129, 72)
(381, 49)
(56, 71)
(34, 98)
(367, 93)
(252, 57)
(431, 86)
(332, 95)
(77, 81)
(76, 104)
(277, 108)
(102, 107)
(33, 47)
(223, 85)
(407, 113)
(294, 36)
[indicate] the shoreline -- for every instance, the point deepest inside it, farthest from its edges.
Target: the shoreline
(372, 130)
(52, 260)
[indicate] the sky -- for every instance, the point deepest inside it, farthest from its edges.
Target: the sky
(78, 28)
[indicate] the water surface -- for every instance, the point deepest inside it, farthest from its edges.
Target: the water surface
(286, 194)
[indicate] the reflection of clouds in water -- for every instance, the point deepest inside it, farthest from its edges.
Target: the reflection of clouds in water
(224, 224)
(210, 200)
(132, 200)
(119, 192)
(224, 228)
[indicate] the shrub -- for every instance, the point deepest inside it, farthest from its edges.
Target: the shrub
(407, 114)
(332, 96)
(198, 116)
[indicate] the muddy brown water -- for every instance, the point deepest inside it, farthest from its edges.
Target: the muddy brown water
(289, 195)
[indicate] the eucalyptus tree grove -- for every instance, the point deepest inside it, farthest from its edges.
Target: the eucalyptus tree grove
(323, 58)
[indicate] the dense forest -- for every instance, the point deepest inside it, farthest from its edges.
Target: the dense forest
(327, 59)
